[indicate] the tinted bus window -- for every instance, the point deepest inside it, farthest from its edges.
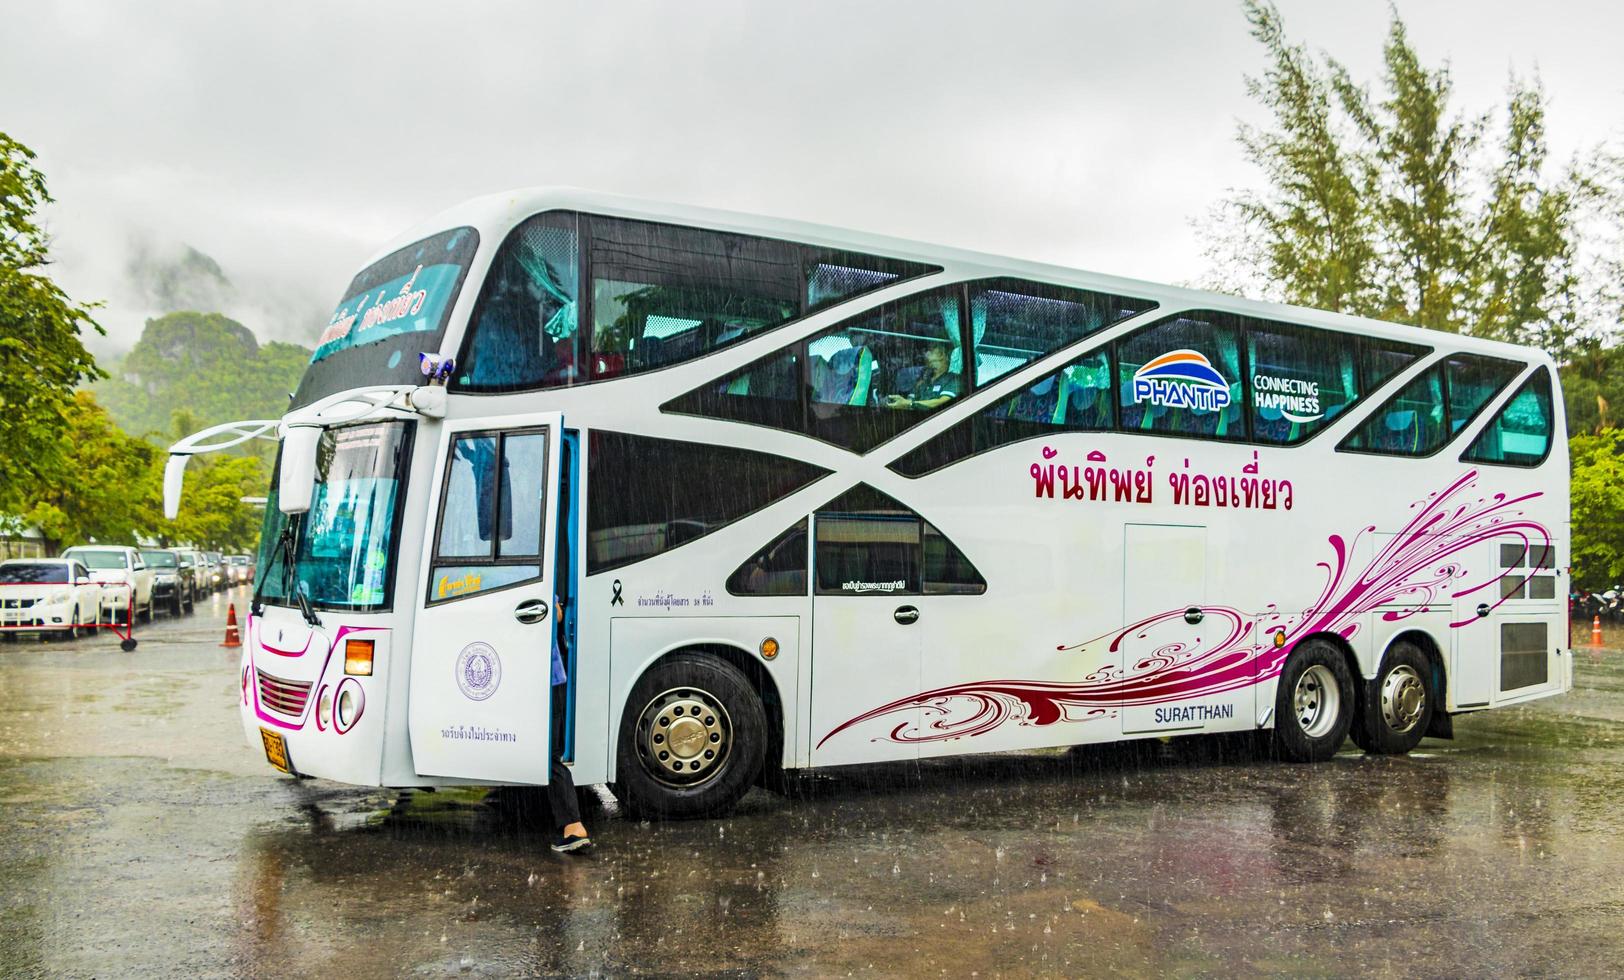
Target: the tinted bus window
(1520, 433)
(646, 496)
(856, 384)
(1183, 377)
(665, 293)
(1426, 413)
(526, 328)
(779, 569)
(1014, 322)
(869, 544)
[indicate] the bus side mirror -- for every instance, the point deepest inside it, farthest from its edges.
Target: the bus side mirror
(298, 482)
(82, 580)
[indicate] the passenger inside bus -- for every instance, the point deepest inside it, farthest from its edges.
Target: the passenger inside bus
(931, 386)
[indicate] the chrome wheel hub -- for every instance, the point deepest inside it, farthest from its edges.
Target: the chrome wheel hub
(1317, 700)
(1404, 697)
(683, 736)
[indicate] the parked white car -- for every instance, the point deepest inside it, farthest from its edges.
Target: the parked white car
(49, 595)
(124, 576)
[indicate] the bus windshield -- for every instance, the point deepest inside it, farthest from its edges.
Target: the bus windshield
(341, 553)
(394, 310)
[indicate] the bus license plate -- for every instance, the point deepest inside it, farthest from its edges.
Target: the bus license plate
(276, 750)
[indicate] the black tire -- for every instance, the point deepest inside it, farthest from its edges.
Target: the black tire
(146, 614)
(1314, 703)
(177, 605)
(716, 706)
(1395, 707)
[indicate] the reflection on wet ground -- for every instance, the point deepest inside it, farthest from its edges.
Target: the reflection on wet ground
(143, 836)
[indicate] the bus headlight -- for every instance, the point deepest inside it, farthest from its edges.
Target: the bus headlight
(324, 709)
(348, 704)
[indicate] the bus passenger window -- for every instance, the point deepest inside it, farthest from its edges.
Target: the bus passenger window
(1426, 413)
(1014, 322)
(1182, 376)
(1473, 381)
(1077, 398)
(1301, 379)
(779, 569)
(1411, 423)
(856, 384)
(869, 544)
(1520, 434)
(662, 294)
(525, 331)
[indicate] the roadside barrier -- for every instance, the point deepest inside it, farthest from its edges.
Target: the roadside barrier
(232, 639)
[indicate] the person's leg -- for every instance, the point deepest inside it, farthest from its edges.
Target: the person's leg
(560, 786)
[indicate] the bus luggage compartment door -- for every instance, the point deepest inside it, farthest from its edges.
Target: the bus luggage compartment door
(1165, 587)
(480, 705)
(1512, 653)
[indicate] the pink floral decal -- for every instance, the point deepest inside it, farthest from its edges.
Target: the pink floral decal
(1418, 567)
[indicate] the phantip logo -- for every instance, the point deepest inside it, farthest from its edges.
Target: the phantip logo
(1181, 379)
(479, 670)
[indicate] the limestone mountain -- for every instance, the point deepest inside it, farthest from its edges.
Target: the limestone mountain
(205, 365)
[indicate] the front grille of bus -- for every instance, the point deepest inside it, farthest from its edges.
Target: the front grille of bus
(283, 696)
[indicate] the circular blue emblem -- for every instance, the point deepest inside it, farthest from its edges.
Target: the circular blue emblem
(479, 670)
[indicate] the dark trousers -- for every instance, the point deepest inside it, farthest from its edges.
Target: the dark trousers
(560, 786)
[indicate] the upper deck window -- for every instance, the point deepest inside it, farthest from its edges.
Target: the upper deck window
(526, 327)
(856, 384)
(1298, 380)
(394, 310)
(1014, 322)
(1520, 434)
(659, 295)
(1182, 376)
(869, 378)
(1426, 413)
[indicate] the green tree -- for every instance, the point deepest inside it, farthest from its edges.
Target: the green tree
(212, 514)
(42, 358)
(99, 486)
(1399, 207)
(1598, 508)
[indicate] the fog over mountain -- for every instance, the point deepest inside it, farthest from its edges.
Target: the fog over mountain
(286, 145)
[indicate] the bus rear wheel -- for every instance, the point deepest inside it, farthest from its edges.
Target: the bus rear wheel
(1397, 705)
(1313, 704)
(692, 739)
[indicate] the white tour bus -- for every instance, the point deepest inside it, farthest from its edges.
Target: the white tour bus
(789, 496)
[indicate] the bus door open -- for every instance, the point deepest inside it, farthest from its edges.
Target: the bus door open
(481, 678)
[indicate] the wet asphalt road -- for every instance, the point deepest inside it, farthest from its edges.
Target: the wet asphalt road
(142, 836)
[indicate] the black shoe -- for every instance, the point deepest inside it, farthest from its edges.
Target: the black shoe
(571, 844)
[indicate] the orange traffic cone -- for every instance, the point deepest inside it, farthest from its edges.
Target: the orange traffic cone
(1595, 632)
(232, 639)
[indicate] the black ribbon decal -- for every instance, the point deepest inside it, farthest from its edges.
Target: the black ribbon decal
(616, 600)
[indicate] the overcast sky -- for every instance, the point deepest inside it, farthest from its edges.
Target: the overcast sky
(287, 141)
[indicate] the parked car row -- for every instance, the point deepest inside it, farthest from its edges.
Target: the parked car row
(92, 584)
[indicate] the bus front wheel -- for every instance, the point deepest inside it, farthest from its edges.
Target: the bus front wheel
(692, 739)
(1397, 705)
(1314, 703)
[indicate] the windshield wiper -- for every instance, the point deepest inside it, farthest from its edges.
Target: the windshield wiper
(310, 617)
